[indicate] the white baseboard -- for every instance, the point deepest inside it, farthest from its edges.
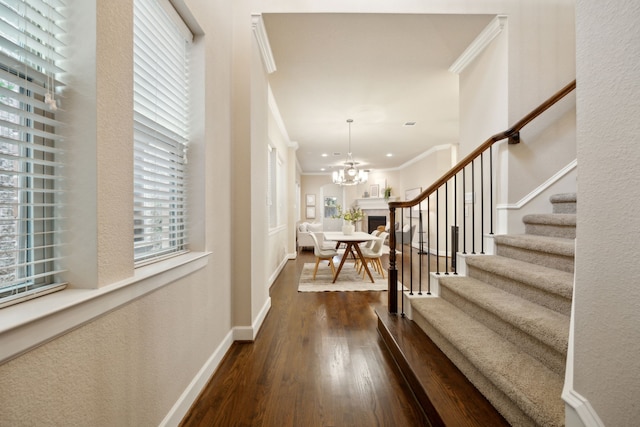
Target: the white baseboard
(579, 412)
(278, 269)
(249, 333)
(239, 333)
(191, 393)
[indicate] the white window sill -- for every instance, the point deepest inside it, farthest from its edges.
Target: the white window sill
(31, 323)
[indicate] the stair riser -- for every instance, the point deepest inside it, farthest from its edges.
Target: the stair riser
(501, 401)
(565, 208)
(554, 358)
(539, 296)
(549, 230)
(559, 262)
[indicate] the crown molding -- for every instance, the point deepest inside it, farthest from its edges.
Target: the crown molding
(416, 159)
(483, 39)
(257, 25)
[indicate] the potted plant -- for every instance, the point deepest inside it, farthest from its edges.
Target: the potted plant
(351, 217)
(387, 193)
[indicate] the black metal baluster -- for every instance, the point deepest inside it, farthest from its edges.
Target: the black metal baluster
(428, 246)
(446, 228)
(438, 231)
(454, 241)
(491, 189)
(464, 204)
(420, 249)
(473, 207)
(482, 202)
(410, 250)
(392, 226)
(403, 254)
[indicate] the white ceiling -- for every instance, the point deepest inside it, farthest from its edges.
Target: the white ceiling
(381, 70)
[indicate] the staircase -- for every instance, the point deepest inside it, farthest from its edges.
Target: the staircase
(506, 324)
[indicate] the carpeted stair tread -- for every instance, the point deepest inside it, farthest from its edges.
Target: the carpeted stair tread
(529, 384)
(568, 220)
(547, 326)
(552, 225)
(544, 278)
(554, 245)
(564, 198)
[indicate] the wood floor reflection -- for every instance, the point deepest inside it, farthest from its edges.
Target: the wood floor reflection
(317, 361)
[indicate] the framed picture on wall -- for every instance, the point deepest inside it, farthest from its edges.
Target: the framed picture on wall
(410, 195)
(311, 200)
(311, 212)
(375, 190)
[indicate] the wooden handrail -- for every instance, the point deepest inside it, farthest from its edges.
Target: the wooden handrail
(513, 133)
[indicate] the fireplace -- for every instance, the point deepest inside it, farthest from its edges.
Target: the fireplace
(373, 222)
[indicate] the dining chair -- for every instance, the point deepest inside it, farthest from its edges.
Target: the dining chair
(322, 254)
(374, 254)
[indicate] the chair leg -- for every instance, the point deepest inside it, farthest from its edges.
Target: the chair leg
(380, 267)
(316, 269)
(333, 267)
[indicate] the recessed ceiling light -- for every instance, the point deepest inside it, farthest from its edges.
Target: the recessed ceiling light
(408, 124)
(389, 154)
(322, 169)
(325, 155)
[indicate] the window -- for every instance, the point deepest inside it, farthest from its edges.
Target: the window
(30, 150)
(161, 130)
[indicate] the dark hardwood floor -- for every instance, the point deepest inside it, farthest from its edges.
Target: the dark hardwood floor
(318, 360)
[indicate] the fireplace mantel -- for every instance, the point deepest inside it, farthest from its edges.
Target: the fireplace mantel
(370, 203)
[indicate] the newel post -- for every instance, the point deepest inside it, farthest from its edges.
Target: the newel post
(393, 272)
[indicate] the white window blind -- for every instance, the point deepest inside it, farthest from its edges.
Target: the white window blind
(30, 149)
(161, 130)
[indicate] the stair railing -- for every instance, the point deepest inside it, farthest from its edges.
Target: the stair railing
(447, 187)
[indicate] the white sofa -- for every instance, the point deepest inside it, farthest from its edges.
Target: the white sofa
(303, 234)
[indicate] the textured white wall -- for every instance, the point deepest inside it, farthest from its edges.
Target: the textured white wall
(607, 303)
(129, 366)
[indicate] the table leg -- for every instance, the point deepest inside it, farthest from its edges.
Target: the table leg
(364, 263)
(344, 258)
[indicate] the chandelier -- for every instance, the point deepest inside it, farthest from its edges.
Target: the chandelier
(350, 175)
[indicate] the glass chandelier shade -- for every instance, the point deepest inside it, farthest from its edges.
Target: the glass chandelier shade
(350, 174)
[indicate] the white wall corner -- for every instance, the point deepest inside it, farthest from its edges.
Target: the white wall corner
(257, 25)
(275, 111)
(476, 47)
(191, 393)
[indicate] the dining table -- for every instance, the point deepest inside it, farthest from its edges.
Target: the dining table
(352, 246)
